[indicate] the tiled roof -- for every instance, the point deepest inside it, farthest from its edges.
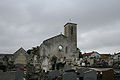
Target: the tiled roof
(106, 57)
(87, 54)
(104, 54)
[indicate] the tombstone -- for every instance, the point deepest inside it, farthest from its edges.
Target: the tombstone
(53, 74)
(67, 67)
(81, 72)
(90, 75)
(30, 70)
(33, 77)
(69, 76)
(83, 64)
(19, 72)
(60, 65)
(45, 64)
(3, 68)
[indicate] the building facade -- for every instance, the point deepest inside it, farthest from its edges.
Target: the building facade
(62, 46)
(20, 57)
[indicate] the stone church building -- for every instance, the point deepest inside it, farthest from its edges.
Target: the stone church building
(61, 46)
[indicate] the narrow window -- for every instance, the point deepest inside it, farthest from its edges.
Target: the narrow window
(71, 30)
(66, 49)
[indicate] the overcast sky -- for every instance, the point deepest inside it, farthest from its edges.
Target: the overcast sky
(26, 23)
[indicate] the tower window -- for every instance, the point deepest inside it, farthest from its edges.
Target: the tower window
(71, 30)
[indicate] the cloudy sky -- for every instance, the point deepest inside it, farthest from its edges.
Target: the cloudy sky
(26, 23)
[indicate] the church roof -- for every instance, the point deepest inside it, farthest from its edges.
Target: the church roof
(60, 35)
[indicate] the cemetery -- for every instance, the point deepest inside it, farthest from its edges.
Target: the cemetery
(58, 58)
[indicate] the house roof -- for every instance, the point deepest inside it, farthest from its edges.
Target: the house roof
(90, 53)
(19, 50)
(106, 57)
(104, 54)
(118, 53)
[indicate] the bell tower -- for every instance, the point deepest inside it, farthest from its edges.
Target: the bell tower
(70, 31)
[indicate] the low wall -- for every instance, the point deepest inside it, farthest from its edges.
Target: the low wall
(7, 75)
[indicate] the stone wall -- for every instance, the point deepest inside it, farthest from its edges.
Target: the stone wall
(7, 75)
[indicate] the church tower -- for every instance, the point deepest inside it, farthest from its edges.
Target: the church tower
(70, 31)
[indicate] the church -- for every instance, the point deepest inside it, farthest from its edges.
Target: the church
(60, 47)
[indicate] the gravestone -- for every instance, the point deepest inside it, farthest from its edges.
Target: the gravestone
(81, 72)
(19, 72)
(90, 75)
(67, 67)
(69, 76)
(53, 74)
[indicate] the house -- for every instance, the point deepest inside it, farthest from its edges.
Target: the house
(104, 73)
(98, 60)
(21, 57)
(5, 59)
(116, 57)
(90, 58)
(104, 57)
(92, 54)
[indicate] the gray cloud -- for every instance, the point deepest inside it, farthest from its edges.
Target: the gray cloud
(27, 23)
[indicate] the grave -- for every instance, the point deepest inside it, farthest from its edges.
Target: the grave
(67, 67)
(90, 75)
(69, 76)
(81, 72)
(19, 72)
(53, 74)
